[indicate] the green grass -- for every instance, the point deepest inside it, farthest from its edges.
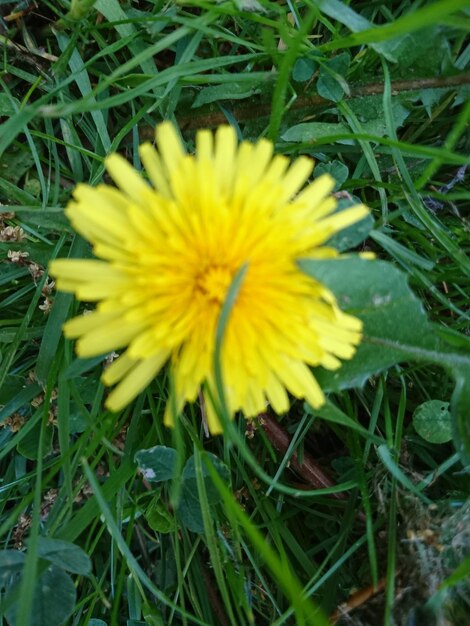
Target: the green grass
(376, 92)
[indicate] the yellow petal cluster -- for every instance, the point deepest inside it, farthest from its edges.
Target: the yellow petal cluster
(166, 255)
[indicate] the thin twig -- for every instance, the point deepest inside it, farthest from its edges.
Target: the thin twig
(308, 469)
(253, 110)
(214, 598)
(357, 599)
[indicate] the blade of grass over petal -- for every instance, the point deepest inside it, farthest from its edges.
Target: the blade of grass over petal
(222, 322)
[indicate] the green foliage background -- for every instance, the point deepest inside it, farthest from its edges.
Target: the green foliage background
(234, 530)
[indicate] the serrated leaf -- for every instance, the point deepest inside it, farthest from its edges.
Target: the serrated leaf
(424, 53)
(432, 421)
(396, 329)
(64, 554)
(157, 464)
(377, 293)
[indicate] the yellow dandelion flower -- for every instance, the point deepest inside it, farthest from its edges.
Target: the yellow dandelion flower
(166, 256)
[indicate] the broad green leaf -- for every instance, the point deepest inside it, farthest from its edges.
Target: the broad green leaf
(157, 464)
(396, 329)
(395, 325)
(391, 33)
(77, 421)
(189, 507)
(356, 23)
(355, 234)
(53, 600)
(64, 554)
(335, 168)
(331, 83)
(28, 446)
(423, 53)
(235, 91)
(370, 113)
(11, 562)
(17, 161)
(311, 131)
(432, 421)
(159, 518)
(303, 69)
(368, 110)
(189, 475)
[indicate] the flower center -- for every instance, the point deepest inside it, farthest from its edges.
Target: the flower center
(214, 282)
